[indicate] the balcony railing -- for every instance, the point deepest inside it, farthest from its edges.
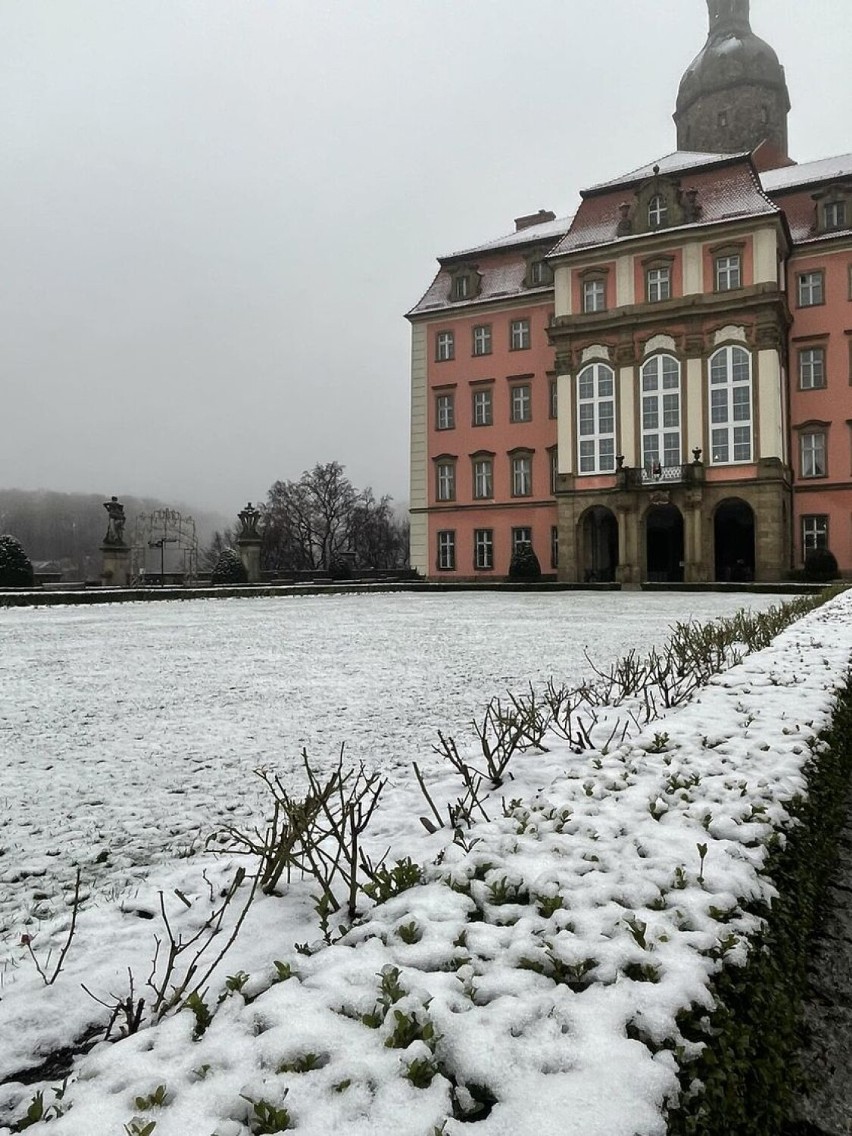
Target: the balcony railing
(647, 478)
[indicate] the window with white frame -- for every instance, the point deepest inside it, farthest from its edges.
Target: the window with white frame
(811, 288)
(661, 429)
(483, 549)
(445, 346)
(554, 469)
(538, 273)
(596, 419)
(812, 450)
(483, 478)
(522, 475)
(521, 403)
(728, 272)
(834, 215)
(594, 295)
(658, 284)
(658, 211)
(812, 368)
(482, 339)
(519, 334)
(483, 407)
(730, 406)
(521, 536)
(552, 397)
(445, 411)
(446, 550)
(461, 289)
(445, 479)
(814, 532)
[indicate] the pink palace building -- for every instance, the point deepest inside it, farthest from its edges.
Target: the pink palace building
(658, 388)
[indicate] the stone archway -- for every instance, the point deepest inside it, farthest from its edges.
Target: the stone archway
(733, 540)
(664, 548)
(599, 544)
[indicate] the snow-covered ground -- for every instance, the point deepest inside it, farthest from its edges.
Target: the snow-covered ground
(129, 733)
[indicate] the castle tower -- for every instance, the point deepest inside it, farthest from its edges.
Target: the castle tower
(733, 95)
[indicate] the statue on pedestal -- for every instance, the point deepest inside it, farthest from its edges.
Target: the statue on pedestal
(115, 525)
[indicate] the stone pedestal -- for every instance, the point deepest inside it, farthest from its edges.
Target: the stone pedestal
(249, 548)
(115, 566)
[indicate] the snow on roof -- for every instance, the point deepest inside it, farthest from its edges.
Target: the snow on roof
(670, 164)
(548, 230)
(791, 177)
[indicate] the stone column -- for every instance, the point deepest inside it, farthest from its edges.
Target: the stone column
(249, 542)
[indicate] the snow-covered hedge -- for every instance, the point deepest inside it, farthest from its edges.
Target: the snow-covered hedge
(615, 951)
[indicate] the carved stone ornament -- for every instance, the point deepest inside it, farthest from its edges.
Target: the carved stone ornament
(249, 518)
(660, 497)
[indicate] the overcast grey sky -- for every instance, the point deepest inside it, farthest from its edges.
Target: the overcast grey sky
(214, 213)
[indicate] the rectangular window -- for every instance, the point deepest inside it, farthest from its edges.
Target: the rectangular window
(553, 395)
(537, 273)
(554, 470)
(834, 215)
(445, 346)
(658, 284)
(594, 296)
(812, 368)
(596, 419)
(522, 475)
(461, 287)
(811, 288)
(812, 449)
(519, 335)
(522, 535)
(446, 550)
(521, 406)
(483, 478)
(445, 480)
(728, 273)
(730, 406)
(554, 546)
(482, 407)
(483, 549)
(482, 339)
(814, 532)
(445, 412)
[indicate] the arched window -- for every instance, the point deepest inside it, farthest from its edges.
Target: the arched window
(596, 419)
(730, 406)
(661, 430)
(658, 211)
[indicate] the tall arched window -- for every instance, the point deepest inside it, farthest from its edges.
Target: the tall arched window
(658, 211)
(730, 406)
(661, 431)
(596, 419)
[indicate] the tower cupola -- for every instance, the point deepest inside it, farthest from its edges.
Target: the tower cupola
(733, 95)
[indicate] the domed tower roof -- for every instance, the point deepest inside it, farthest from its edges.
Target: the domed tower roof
(733, 95)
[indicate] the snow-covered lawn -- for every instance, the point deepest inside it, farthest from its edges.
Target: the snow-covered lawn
(128, 733)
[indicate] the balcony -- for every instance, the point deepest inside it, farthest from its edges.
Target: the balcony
(663, 475)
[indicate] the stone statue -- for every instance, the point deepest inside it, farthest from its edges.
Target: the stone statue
(249, 518)
(115, 526)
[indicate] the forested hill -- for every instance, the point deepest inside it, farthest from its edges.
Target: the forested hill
(69, 527)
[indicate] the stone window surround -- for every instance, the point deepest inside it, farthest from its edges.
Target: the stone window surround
(514, 454)
(553, 463)
(473, 278)
(658, 261)
(803, 343)
(515, 382)
(445, 348)
(440, 393)
(728, 249)
(812, 426)
(535, 258)
(517, 540)
(475, 459)
(824, 528)
(800, 277)
(524, 327)
(483, 539)
(838, 194)
(478, 386)
(441, 462)
(489, 338)
(595, 274)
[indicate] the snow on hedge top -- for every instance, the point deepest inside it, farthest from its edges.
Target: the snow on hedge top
(513, 986)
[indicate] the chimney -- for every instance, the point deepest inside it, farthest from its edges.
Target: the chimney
(534, 219)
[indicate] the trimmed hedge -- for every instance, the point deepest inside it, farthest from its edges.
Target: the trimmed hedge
(749, 1072)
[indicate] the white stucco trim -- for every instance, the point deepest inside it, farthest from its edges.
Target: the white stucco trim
(766, 256)
(562, 292)
(729, 332)
(693, 269)
(625, 284)
(694, 421)
(627, 412)
(595, 352)
(419, 455)
(565, 423)
(660, 343)
(770, 405)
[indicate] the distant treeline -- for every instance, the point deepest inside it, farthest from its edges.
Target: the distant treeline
(67, 528)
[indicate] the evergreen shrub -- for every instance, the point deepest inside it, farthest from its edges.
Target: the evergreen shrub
(15, 567)
(820, 566)
(229, 569)
(524, 564)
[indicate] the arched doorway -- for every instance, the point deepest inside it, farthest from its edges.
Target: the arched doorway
(733, 540)
(599, 530)
(664, 544)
